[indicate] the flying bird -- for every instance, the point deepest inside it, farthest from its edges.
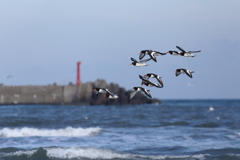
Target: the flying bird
(149, 83)
(174, 53)
(151, 53)
(139, 63)
(100, 90)
(187, 53)
(139, 89)
(152, 75)
(106, 93)
(9, 76)
(110, 95)
(184, 71)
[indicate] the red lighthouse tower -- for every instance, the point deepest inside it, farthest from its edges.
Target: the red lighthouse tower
(78, 83)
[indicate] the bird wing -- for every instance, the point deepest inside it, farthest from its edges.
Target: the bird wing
(159, 80)
(159, 53)
(188, 73)
(151, 54)
(134, 60)
(146, 92)
(132, 94)
(141, 55)
(146, 76)
(108, 92)
(180, 49)
(194, 51)
(145, 60)
(153, 84)
(143, 78)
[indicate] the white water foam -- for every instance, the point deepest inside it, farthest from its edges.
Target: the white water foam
(68, 132)
(95, 153)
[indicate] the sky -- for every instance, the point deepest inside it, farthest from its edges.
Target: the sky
(41, 42)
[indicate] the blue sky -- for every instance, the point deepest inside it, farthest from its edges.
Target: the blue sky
(41, 42)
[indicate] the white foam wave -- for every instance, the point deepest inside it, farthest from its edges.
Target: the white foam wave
(68, 132)
(94, 153)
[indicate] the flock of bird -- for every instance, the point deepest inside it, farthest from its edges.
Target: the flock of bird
(145, 79)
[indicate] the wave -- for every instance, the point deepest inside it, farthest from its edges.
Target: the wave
(87, 153)
(207, 125)
(179, 123)
(67, 132)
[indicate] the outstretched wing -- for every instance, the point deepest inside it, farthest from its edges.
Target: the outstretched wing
(188, 73)
(180, 49)
(134, 60)
(146, 92)
(153, 56)
(159, 53)
(141, 55)
(145, 60)
(159, 80)
(194, 51)
(108, 92)
(132, 94)
(142, 78)
(154, 84)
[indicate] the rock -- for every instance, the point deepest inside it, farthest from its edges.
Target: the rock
(86, 95)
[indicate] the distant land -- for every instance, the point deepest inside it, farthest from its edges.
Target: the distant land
(69, 94)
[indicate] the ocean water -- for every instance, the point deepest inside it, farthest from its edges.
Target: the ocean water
(172, 130)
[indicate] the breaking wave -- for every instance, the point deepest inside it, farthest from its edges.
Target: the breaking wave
(88, 153)
(68, 132)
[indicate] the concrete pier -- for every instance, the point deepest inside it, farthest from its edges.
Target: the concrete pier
(37, 94)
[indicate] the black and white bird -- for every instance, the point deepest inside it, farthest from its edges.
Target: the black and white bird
(152, 75)
(139, 89)
(139, 63)
(174, 53)
(149, 83)
(187, 53)
(100, 90)
(110, 95)
(106, 93)
(151, 53)
(184, 71)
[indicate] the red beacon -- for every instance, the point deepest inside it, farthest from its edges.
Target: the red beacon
(78, 83)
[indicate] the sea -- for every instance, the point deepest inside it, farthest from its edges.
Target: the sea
(171, 130)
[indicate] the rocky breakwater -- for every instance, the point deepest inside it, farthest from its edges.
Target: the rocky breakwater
(85, 95)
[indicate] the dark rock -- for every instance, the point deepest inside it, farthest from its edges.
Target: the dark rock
(86, 95)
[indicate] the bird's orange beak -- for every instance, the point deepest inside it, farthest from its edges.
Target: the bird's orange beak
(131, 64)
